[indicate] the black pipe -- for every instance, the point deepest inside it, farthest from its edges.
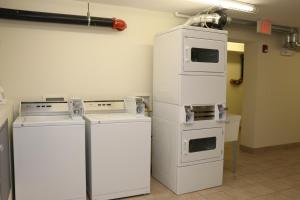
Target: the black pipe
(241, 79)
(242, 57)
(59, 18)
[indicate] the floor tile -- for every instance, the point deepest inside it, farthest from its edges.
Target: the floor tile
(273, 175)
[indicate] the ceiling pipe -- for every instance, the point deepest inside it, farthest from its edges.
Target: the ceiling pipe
(181, 15)
(292, 41)
(24, 15)
(283, 29)
(212, 20)
(291, 33)
(275, 28)
(215, 19)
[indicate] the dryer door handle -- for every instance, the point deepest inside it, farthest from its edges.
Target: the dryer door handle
(186, 54)
(185, 147)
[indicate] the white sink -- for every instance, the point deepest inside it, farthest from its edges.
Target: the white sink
(232, 127)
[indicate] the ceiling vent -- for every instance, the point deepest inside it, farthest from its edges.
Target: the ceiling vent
(215, 18)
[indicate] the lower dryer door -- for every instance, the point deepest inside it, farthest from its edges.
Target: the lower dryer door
(202, 144)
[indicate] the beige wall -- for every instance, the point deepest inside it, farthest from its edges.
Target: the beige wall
(277, 120)
(234, 92)
(270, 109)
(48, 59)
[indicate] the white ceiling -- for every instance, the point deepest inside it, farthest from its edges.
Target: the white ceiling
(280, 12)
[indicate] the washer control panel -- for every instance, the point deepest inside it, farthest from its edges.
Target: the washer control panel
(40, 108)
(104, 106)
(135, 105)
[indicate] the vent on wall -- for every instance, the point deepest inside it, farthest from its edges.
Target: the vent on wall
(215, 18)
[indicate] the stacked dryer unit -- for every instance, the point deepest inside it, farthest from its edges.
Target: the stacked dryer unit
(189, 90)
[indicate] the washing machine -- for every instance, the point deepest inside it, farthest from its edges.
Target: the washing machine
(49, 152)
(118, 149)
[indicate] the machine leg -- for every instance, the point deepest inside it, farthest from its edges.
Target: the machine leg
(234, 155)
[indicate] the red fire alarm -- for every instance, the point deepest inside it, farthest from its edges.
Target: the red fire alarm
(265, 48)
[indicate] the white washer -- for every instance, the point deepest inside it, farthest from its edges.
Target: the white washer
(49, 153)
(118, 151)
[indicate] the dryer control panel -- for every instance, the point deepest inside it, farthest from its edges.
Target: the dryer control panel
(215, 112)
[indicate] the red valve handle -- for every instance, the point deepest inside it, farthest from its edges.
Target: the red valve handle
(119, 24)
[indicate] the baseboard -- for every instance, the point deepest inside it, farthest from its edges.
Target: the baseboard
(269, 148)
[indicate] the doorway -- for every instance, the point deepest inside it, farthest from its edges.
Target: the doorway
(234, 99)
(235, 75)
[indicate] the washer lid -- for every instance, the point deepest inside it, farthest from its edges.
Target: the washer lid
(115, 118)
(56, 120)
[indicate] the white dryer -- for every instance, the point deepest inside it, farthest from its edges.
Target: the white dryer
(189, 108)
(49, 153)
(118, 151)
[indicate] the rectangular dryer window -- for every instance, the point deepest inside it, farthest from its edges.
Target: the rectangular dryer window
(205, 55)
(202, 144)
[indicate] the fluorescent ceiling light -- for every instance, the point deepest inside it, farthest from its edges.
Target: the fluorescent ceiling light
(231, 5)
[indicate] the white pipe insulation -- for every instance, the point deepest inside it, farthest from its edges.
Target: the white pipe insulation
(292, 40)
(202, 19)
(217, 19)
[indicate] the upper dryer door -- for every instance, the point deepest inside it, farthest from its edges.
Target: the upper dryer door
(203, 55)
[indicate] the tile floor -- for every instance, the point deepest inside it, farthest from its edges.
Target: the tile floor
(273, 175)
